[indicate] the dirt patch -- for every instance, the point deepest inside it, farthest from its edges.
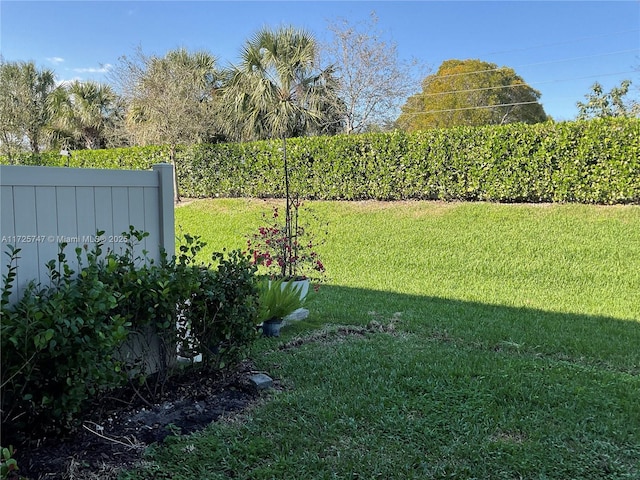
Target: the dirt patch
(184, 201)
(336, 333)
(115, 433)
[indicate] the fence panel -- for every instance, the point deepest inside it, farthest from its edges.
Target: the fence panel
(41, 207)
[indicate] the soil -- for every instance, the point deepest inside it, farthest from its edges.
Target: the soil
(114, 435)
(117, 429)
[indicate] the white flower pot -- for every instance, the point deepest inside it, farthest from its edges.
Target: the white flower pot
(303, 285)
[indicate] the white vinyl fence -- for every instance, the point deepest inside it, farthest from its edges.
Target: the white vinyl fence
(40, 207)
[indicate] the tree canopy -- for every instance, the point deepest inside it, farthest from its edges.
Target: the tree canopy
(37, 113)
(276, 91)
(472, 93)
(82, 114)
(24, 105)
(601, 104)
(170, 99)
(372, 81)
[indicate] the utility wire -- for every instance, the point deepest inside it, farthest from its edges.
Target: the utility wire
(586, 57)
(581, 39)
(515, 104)
(521, 84)
(525, 84)
(503, 104)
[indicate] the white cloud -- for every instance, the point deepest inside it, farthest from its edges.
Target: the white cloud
(55, 59)
(103, 69)
(68, 81)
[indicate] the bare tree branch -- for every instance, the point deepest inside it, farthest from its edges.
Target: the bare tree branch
(372, 81)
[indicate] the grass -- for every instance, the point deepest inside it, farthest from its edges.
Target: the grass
(451, 341)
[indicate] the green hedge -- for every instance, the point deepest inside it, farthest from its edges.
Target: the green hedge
(595, 161)
(133, 158)
(590, 162)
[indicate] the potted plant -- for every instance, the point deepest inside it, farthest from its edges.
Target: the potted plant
(276, 300)
(275, 91)
(286, 250)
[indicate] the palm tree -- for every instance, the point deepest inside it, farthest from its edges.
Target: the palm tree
(83, 111)
(277, 92)
(24, 100)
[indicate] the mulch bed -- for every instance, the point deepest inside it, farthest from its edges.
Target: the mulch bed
(118, 429)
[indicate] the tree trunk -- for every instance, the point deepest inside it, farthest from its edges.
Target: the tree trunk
(35, 145)
(172, 160)
(288, 267)
(506, 115)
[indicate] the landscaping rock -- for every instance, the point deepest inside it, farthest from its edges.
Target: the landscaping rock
(261, 381)
(299, 314)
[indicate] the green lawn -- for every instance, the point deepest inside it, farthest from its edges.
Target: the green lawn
(451, 340)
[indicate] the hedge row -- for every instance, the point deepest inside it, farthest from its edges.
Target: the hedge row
(594, 161)
(133, 158)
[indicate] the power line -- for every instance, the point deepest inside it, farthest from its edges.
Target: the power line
(540, 63)
(515, 104)
(585, 77)
(585, 57)
(528, 65)
(503, 104)
(524, 84)
(581, 39)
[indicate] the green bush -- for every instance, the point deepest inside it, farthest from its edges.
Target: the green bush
(58, 343)
(8, 464)
(220, 314)
(62, 343)
(594, 161)
(147, 295)
(133, 158)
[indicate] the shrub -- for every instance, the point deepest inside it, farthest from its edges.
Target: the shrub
(595, 161)
(147, 294)
(62, 343)
(132, 158)
(58, 343)
(219, 316)
(8, 464)
(287, 250)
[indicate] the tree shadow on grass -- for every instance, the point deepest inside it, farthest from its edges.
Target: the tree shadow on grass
(597, 340)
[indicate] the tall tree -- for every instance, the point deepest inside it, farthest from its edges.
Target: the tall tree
(471, 92)
(277, 92)
(25, 93)
(83, 113)
(372, 80)
(601, 104)
(12, 129)
(170, 99)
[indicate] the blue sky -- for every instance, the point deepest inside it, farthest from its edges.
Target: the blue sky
(559, 48)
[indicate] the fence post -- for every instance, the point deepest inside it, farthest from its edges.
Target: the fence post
(166, 206)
